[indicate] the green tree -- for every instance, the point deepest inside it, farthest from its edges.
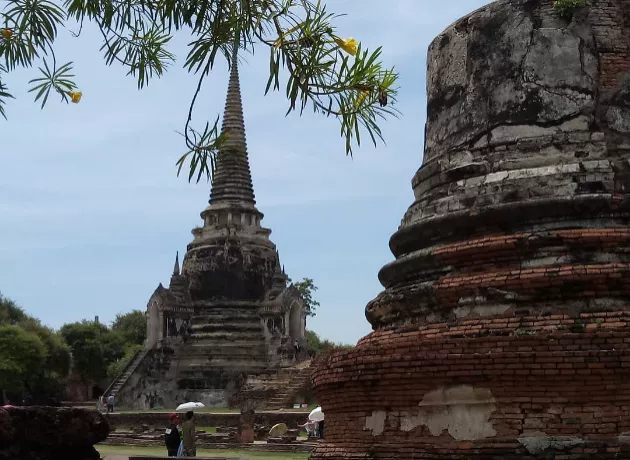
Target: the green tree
(116, 367)
(22, 353)
(10, 313)
(307, 288)
(316, 345)
(336, 76)
(50, 377)
(45, 380)
(131, 326)
(94, 347)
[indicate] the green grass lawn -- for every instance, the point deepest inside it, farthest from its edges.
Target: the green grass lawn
(244, 454)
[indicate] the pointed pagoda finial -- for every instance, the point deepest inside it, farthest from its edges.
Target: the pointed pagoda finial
(283, 272)
(232, 181)
(176, 268)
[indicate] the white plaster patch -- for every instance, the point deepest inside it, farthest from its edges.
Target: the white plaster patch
(376, 422)
(463, 411)
(480, 311)
(528, 173)
(537, 443)
(490, 310)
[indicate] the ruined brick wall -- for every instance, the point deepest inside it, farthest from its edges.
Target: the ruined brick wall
(501, 383)
(502, 331)
(609, 21)
(228, 420)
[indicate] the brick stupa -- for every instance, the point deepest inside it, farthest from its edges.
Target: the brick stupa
(502, 332)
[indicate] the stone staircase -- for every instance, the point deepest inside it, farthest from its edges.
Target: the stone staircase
(228, 337)
(287, 383)
(225, 342)
(126, 372)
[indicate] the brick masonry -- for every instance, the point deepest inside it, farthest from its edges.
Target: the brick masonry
(504, 327)
(160, 419)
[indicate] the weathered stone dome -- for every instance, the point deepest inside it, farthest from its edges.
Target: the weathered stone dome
(525, 165)
(503, 330)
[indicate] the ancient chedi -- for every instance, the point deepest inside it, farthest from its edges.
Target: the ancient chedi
(503, 328)
(229, 315)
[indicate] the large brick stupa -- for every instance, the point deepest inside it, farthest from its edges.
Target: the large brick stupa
(502, 332)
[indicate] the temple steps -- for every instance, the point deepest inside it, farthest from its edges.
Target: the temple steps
(285, 384)
(220, 336)
(220, 363)
(225, 315)
(228, 327)
(228, 347)
(210, 355)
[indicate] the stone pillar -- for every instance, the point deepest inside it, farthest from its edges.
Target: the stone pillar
(246, 425)
(504, 327)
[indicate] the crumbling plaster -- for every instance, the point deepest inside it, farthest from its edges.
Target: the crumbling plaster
(462, 411)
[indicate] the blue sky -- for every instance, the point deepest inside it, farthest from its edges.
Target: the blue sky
(92, 212)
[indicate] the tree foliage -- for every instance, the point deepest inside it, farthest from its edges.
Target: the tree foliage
(333, 75)
(131, 326)
(316, 345)
(22, 353)
(44, 379)
(566, 8)
(115, 367)
(307, 288)
(94, 346)
(10, 313)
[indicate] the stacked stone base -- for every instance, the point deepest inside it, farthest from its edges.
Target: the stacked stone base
(520, 387)
(499, 450)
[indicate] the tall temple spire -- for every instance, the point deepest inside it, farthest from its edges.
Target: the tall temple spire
(176, 268)
(232, 181)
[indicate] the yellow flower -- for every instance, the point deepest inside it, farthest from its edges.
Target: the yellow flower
(361, 97)
(349, 45)
(75, 96)
(6, 33)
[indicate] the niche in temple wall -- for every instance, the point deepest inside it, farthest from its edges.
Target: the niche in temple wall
(275, 325)
(176, 326)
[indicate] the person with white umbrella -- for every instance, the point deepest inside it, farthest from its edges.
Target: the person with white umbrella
(317, 415)
(188, 428)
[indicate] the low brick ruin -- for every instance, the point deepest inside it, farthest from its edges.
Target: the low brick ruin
(503, 330)
(228, 420)
(147, 429)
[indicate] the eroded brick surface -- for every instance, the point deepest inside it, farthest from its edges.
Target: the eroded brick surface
(504, 327)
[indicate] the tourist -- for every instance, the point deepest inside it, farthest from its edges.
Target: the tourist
(321, 429)
(310, 426)
(172, 437)
(188, 435)
(110, 404)
(296, 345)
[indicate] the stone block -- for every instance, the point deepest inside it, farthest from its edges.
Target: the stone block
(50, 433)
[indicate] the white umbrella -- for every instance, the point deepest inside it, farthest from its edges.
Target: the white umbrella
(316, 415)
(190, 406)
